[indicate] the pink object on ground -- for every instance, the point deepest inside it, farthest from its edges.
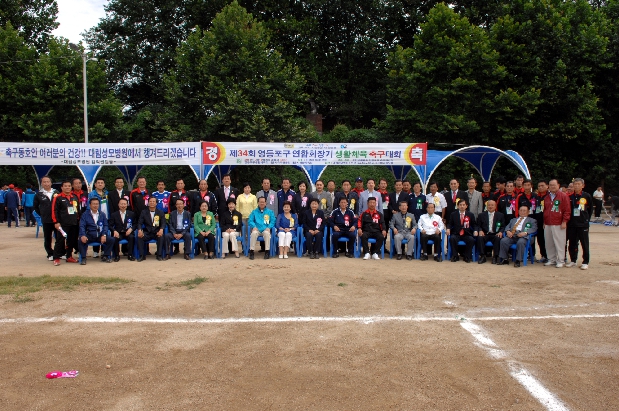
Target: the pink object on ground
(62, 374)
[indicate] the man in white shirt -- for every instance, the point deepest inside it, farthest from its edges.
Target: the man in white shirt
(370, 192)
(431, 226)
(436, 198)
(598, 202)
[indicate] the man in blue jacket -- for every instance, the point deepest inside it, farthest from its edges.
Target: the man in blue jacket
(11, 201)
(260, 223)
(94, 229)
(3, 189)
(27, 202)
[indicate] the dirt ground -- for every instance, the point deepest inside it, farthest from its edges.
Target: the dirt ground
(278, 334)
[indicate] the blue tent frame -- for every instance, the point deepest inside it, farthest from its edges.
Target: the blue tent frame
(482, 158)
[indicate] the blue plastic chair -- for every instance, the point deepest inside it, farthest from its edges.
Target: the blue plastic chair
(217, 236)
(180, 241)
(358, 248)
(261, 238)
(461, 243)
(138, 252)
(123, 242)
(93, 244)
(301, 238)
(342, 240)
(430, 242)
(528, 251)
(37, 217)
(392, 244)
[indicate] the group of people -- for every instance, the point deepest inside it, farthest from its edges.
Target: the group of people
(16, 204)
(488, 219)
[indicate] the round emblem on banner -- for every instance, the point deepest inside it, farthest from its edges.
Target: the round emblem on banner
(212, 153)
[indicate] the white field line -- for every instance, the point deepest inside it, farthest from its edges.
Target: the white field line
(361, 319)
(517, 371)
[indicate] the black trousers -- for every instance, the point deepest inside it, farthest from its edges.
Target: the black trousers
(469, 241)
(65, 246)
(574, 236)
(129, 246)
(350, 235)
(48, 232)
(436, 238)
(313, 242)
(143, 243)
(541, 241)
(1, 212)
(378, 236)
(598, 204)
(207, 247)
(481, 244)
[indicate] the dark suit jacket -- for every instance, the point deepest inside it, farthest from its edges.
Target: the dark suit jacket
(483, 219)
(89, 228)
(116, 223)
(113, 199)
(226, 220)
(148, 223)
(451, 206)
(196, 199)
(394, 205)
(453, 223)
(311, 221)
(220, 196)
(187, 220)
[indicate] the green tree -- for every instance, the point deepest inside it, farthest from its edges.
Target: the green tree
(556, 48)
(33, 19)
(447, 87)
(41, 94)
(230, 85)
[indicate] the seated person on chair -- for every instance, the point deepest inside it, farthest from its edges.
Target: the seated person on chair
(151, 224)
(261, 221)
(205, 227)
(430, 227)
(121, 225)
(371, 225)
(231, 223)
(461, 227)
(313, 228)
(491, 226)
(343, 223)
(286, 226)
(404, 227)
(179, 228)
(516, 232)
(93, 229)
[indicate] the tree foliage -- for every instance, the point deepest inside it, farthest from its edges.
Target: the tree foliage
(228, 84)
(33, 19)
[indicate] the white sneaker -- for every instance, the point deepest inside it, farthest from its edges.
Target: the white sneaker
(560, 265)
(281, 256)
(570, 264)
(64, 257)
(549, 263)
(584, 267)
(367, 256)
(285, 255)
(375, 256)
(95, 255)
(50, 258)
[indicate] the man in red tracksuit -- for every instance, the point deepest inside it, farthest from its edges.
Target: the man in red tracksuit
(65, 215)
(557, 212)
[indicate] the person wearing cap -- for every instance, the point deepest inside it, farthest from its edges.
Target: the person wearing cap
(313, 228)
(231, 223)
(179, 228)
(370, 193)
(404, 227)
(343, 223)
(94, 229)
(261, 221)
(286, 226)
(11, 201)
(431, 225)
(371, 224)
(358, 186)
